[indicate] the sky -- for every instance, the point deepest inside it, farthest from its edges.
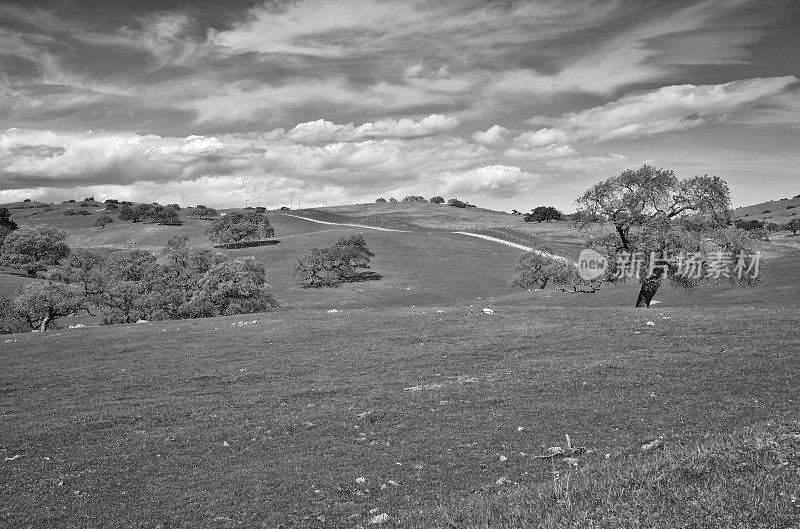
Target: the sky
(501, 103)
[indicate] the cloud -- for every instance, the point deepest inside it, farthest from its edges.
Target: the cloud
(43, 159)
(495, 181)
(494, 135)
(322, 131)
(666, 109)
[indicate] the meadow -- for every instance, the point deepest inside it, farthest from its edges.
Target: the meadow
(409, 400)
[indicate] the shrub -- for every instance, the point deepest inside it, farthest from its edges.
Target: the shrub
(84, 212)
(392, 200)
(456, 203)
(102, 220)
(414, 199)
(380, 201)
(27, 200)
(70, 212)
(437, 200)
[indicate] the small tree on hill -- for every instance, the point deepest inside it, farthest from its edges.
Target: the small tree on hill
(201, 211)
(437, 200)
(102, 220)
(392, 200)
(543, 213)
(134, 213)
(330, 266)
(793, 226)
(456, 203)
(111, 207)
(380, 201)
(240, 227)
(414, 199)
(34, 248)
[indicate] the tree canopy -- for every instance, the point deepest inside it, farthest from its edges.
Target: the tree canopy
(34, 248)
(331, 266)
(240, 227)
(657, 218)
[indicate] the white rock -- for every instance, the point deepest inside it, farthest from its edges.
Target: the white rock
(502, 481)
(332, 311)
(650, 323)
(361, 481)
(488, 311)
(503, 459)
(439, 312)
(520, 428)
(655, 302)
(379, 519)
(373, 511)
(142, 321)
(225, 443)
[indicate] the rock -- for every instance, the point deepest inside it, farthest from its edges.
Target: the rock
(503, 459)
(488, 311)
(520, 428)
(373, 511)
(652, 445)
(503, 481)
(142, 321)
(393, 483)
(361, 480)
(225, 443)
(650, 323)
(379, 519)
(332, 311)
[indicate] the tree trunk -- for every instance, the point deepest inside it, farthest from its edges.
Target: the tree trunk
(45, 322)
(648, 291)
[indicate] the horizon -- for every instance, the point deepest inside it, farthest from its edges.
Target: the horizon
(504, 105)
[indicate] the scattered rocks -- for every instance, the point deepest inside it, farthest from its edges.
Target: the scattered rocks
(80, 326)
(488, 311)
(650, 323)
(332, 311)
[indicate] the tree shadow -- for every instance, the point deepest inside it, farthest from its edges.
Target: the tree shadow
(248, 244)
(360, 277)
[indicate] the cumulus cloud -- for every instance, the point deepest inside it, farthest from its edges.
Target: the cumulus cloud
(494, 135)
(496, 181)
(322, 131)
(666, 109)
(35, 158)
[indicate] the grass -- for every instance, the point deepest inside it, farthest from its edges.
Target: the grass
(134, 420)
(749, 479)
(214, 423)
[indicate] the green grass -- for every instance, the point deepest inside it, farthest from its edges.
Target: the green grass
(133, 419)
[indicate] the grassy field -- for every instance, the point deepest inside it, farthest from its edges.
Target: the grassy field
(201, 424)
(409, 401)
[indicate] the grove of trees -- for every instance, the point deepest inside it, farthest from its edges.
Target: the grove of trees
(34, 248)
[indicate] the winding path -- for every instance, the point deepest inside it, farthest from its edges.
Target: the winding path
(478, 235)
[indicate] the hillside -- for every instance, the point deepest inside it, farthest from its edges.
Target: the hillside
(777, 211)
(408, 399)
